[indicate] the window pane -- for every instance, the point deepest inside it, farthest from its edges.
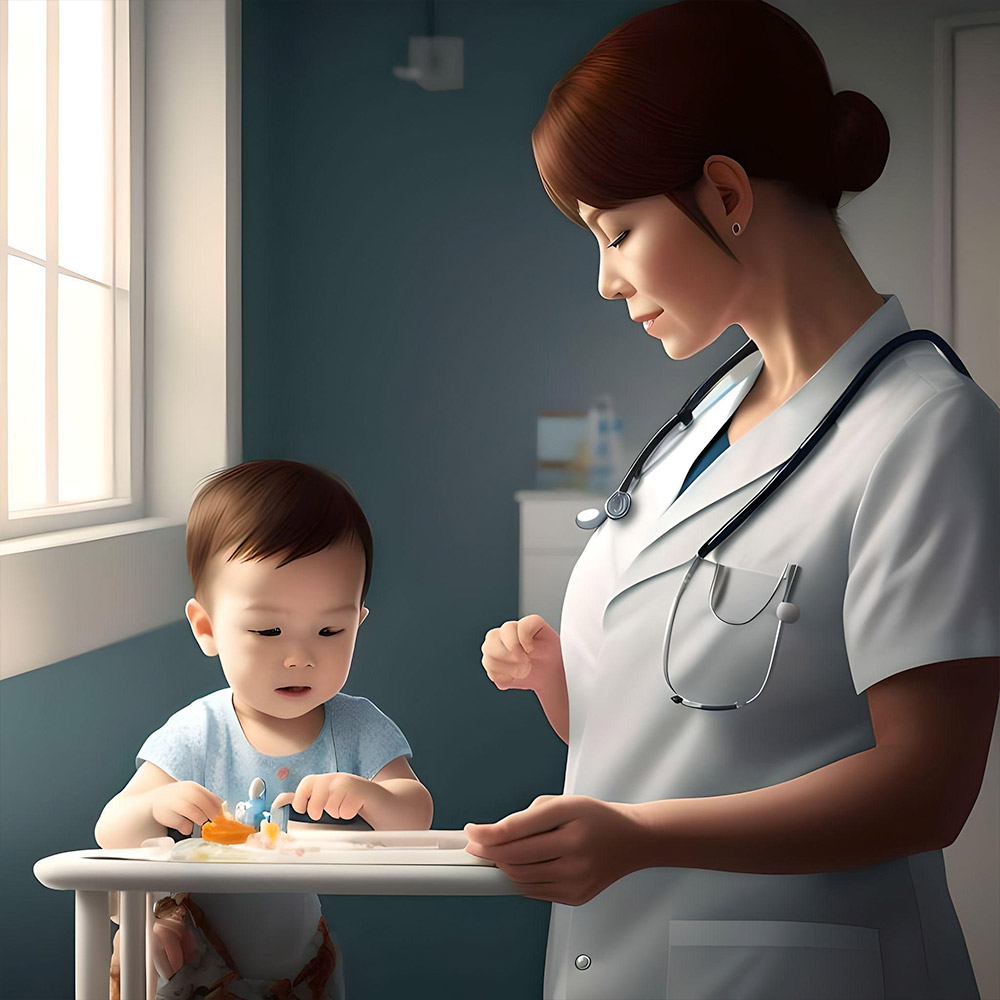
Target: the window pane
(26, 126)
(86, 359)
(86, 137)
(25, 383)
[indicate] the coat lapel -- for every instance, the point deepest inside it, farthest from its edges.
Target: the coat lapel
(742, 469)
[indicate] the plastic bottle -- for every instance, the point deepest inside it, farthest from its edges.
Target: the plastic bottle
(605, 438)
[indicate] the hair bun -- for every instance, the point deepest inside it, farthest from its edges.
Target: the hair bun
(860, 141)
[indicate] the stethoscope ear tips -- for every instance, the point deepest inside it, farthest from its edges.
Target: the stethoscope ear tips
(787, 612)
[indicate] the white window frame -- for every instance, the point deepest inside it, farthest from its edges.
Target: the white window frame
(72, 591)
(127, 503)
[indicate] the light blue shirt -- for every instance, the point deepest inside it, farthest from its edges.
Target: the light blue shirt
(204, 742)
(268, 935)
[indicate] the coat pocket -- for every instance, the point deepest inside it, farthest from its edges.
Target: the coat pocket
(772, 960)
(722, 632)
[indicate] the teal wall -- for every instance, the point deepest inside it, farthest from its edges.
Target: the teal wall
(411, 301)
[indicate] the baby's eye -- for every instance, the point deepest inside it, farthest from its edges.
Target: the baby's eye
(329, 632)
(265, 631)
(618, 241)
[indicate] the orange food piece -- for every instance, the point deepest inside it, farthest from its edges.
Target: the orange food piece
(225, 830)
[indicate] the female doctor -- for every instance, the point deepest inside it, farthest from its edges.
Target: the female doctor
(790, 848)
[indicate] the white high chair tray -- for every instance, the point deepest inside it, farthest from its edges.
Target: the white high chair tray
(315, 844)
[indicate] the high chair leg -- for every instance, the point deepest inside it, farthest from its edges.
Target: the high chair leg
(151, 977)
(133, 944)
(93, 944)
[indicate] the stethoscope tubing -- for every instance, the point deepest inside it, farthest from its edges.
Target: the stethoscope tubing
(817, 434)
(619, 503)
(787, 575)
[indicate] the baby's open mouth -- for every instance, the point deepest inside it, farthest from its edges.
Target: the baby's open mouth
(294, 690)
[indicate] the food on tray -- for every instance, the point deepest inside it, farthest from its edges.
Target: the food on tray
(226, 830)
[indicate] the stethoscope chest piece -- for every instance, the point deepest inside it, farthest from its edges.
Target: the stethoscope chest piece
(618, 505)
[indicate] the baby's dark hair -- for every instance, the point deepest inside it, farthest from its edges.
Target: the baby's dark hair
(272, 507)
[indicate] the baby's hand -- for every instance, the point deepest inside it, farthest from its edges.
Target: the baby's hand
(341, 795)
(182, 805)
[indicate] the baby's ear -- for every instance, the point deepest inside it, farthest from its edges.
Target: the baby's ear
(364, 614)
(201, 627)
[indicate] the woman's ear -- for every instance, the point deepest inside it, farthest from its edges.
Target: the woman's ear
(201, 627)
(364, 615)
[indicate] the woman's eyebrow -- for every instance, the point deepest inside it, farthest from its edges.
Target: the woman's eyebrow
(595, 216)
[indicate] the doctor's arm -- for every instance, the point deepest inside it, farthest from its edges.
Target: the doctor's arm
(911, 792)
(527, 655)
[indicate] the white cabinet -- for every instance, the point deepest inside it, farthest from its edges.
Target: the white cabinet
(550, 545)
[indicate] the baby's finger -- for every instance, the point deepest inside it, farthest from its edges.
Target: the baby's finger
(176, 821)
(282, 800)
(303, 792)
(199, 813)
(335, 803)
(207, 802)
(350, 805)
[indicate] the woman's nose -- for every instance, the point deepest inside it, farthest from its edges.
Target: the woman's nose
(611, 285)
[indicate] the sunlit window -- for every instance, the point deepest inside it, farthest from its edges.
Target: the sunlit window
(67, 335)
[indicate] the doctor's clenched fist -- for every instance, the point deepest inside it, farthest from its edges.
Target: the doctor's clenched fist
(524, 654)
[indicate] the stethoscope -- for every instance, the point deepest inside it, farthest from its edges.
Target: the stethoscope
(619, 503)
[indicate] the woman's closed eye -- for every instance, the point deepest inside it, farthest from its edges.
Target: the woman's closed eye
(326, 632)
(617, 242)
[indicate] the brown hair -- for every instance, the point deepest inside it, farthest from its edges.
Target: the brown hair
(643, 110)
(272, 507)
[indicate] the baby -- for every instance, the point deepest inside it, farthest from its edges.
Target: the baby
(280, 555)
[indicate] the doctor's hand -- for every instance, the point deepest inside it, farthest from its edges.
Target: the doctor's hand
(562, 848)
(340, 794)
(524, 654)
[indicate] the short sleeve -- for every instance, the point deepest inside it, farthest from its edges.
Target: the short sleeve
(923, 580)
(178, 746)
(366, 739)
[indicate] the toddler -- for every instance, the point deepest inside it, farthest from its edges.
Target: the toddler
(280, 555)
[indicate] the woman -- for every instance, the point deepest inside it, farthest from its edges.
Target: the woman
(790, 848)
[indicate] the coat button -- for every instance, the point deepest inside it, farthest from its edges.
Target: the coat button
(582, 962)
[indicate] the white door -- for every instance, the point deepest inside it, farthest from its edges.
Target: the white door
(967, 267)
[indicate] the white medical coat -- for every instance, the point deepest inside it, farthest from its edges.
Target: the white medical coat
(893, 523)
